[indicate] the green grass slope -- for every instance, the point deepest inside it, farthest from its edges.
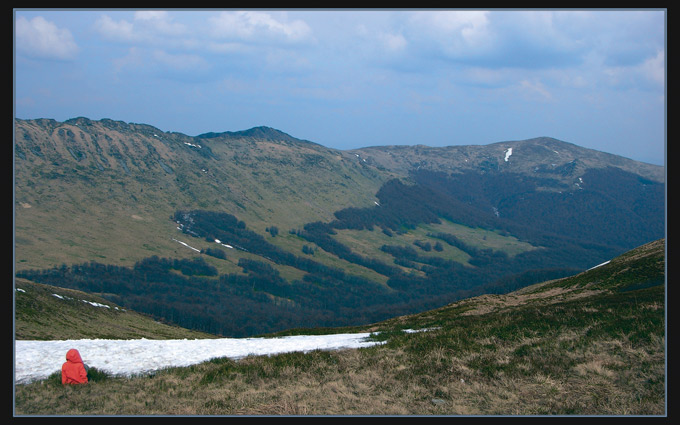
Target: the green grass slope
(104, 190)
(590, 344)
(44, 312)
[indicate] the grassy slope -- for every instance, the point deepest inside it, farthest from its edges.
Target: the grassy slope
(93, 208)
(101, 190)
(591, 344)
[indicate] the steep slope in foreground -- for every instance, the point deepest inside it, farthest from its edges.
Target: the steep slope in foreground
(590, 344)
(636, 272)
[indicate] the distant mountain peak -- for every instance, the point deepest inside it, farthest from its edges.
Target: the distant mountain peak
(259, 132)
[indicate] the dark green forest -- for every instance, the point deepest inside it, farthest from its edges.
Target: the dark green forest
(575, 228)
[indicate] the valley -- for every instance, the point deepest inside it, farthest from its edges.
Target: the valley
(316, 237)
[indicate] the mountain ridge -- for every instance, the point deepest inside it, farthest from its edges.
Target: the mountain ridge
(259, 132)
(263, 175)
(541, 152)
(293, 229)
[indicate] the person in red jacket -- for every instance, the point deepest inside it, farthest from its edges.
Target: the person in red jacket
(73, 370)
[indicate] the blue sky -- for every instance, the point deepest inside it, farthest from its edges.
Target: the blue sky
(355, 78)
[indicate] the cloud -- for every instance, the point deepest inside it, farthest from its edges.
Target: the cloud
(157, 46)
(454, 32)
(173, 43)
(655, 68)
(115, 30)
(648, 74)
(160, 22)
(527, 39)
(486, 39)
(468, 26)
(180, 62)
(358, 65)
(393, 42)
(160, 63)
(39, 38)
(253, 26)
(535, 89)
(155, 27)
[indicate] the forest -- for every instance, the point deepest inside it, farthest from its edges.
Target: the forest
(192, 294)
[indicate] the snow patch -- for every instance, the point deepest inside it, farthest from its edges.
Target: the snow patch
(92, 303)
(412, 331)
(507, 154)
(187, 245)
(599, 265)
(223, 244)
(35, 360)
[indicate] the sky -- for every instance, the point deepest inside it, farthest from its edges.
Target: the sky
(352, 78)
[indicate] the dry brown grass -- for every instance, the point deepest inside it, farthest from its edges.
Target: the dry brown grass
(380, 381)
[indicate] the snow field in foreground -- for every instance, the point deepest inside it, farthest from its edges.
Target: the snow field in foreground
(35, 360)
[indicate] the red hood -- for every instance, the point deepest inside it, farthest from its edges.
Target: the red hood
(73, 356)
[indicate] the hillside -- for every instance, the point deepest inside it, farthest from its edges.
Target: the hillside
(111, 186)
(589, 344)
(255, 231)
(544, 156)
(44, 312)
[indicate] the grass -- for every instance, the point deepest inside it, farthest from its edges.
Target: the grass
(368, 243)
(40, 315)
(583, 345)
(568, 358)
(69, 211)
(589, 345)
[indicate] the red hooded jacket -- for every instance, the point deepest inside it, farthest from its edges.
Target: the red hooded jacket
(73, 371)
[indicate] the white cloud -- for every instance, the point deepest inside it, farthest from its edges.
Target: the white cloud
(258, 26)
(655, 68)
(393, 42)
(160, 23)
(151, 15)
(146, 27)
(115, 30)
(160, 62)
(649, 73)
(133, 59)
(455, 31)
(40, 38)
(535, 88)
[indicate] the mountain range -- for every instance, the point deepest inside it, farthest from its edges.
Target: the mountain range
(238, 233)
